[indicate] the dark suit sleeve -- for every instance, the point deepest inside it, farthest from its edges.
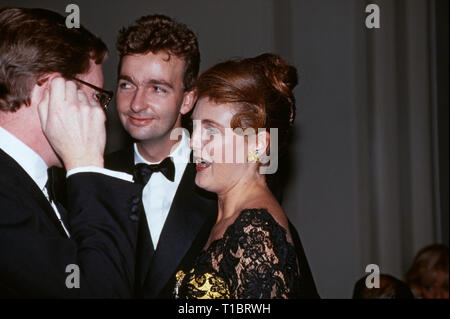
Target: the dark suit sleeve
(103, 217)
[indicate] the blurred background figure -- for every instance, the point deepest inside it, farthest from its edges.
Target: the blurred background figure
(428, 274)
(390, 288)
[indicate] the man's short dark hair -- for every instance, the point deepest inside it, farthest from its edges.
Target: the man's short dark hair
(156, 33)
(35, 42)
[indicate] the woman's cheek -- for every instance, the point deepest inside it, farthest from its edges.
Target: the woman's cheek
(215, 152)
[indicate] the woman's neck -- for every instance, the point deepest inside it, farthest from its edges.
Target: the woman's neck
(237, 197)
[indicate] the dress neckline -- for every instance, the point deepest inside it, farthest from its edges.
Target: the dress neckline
(242, 214)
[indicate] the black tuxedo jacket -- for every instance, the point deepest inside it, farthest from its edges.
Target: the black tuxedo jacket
(192, 215)
(102, 215)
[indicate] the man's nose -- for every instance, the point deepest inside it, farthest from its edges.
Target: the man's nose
(139, 102)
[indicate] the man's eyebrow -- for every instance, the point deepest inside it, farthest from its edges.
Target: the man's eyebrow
(147, 82)
(126, 78)
(159, 82)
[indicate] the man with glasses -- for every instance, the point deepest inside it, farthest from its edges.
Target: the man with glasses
(103, 97)
(51, 114)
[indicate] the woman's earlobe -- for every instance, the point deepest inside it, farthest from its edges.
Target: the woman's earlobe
(253, 157)
(263, 141)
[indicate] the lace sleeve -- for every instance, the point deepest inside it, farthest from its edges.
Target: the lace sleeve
(264, 263)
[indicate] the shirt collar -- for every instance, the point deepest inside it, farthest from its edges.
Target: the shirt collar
(28, 159)
(180, 154)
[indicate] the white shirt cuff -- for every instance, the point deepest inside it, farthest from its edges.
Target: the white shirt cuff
(96, 169)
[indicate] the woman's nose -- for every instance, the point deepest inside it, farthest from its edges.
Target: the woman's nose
(196, 143)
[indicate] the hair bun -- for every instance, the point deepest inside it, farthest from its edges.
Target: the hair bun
(281, 75)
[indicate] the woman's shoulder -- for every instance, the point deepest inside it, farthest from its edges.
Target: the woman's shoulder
(260, 222)
(256, 217)
(259, 256)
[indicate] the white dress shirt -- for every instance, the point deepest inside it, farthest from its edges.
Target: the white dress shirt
(159, 192)
(36, 167)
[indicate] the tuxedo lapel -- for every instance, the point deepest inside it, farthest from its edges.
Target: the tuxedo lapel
(123, 160)
(144, 254)
(47, 208)
(60, 193)
(187, 216)
(18, 175)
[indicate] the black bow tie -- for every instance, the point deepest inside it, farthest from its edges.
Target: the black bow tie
(142, 172)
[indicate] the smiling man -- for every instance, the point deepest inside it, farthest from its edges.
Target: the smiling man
(159, 61)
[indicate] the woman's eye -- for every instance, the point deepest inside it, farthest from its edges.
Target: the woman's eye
(212, 130)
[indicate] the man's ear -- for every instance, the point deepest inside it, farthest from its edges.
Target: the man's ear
(42, 85)
(188, 101)
(45, 79)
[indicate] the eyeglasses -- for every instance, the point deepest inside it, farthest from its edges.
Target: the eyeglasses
(102, 96)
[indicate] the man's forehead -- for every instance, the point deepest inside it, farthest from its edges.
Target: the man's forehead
(149, 67)
(160, 57)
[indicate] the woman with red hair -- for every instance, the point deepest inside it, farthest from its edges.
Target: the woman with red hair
(250, 252)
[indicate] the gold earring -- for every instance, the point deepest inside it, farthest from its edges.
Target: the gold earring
(253, 157)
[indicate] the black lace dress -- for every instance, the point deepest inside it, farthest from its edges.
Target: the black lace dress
(253, 260)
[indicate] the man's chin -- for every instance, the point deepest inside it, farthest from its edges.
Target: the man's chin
(142, 134)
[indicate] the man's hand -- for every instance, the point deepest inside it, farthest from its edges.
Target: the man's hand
(74, 126)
